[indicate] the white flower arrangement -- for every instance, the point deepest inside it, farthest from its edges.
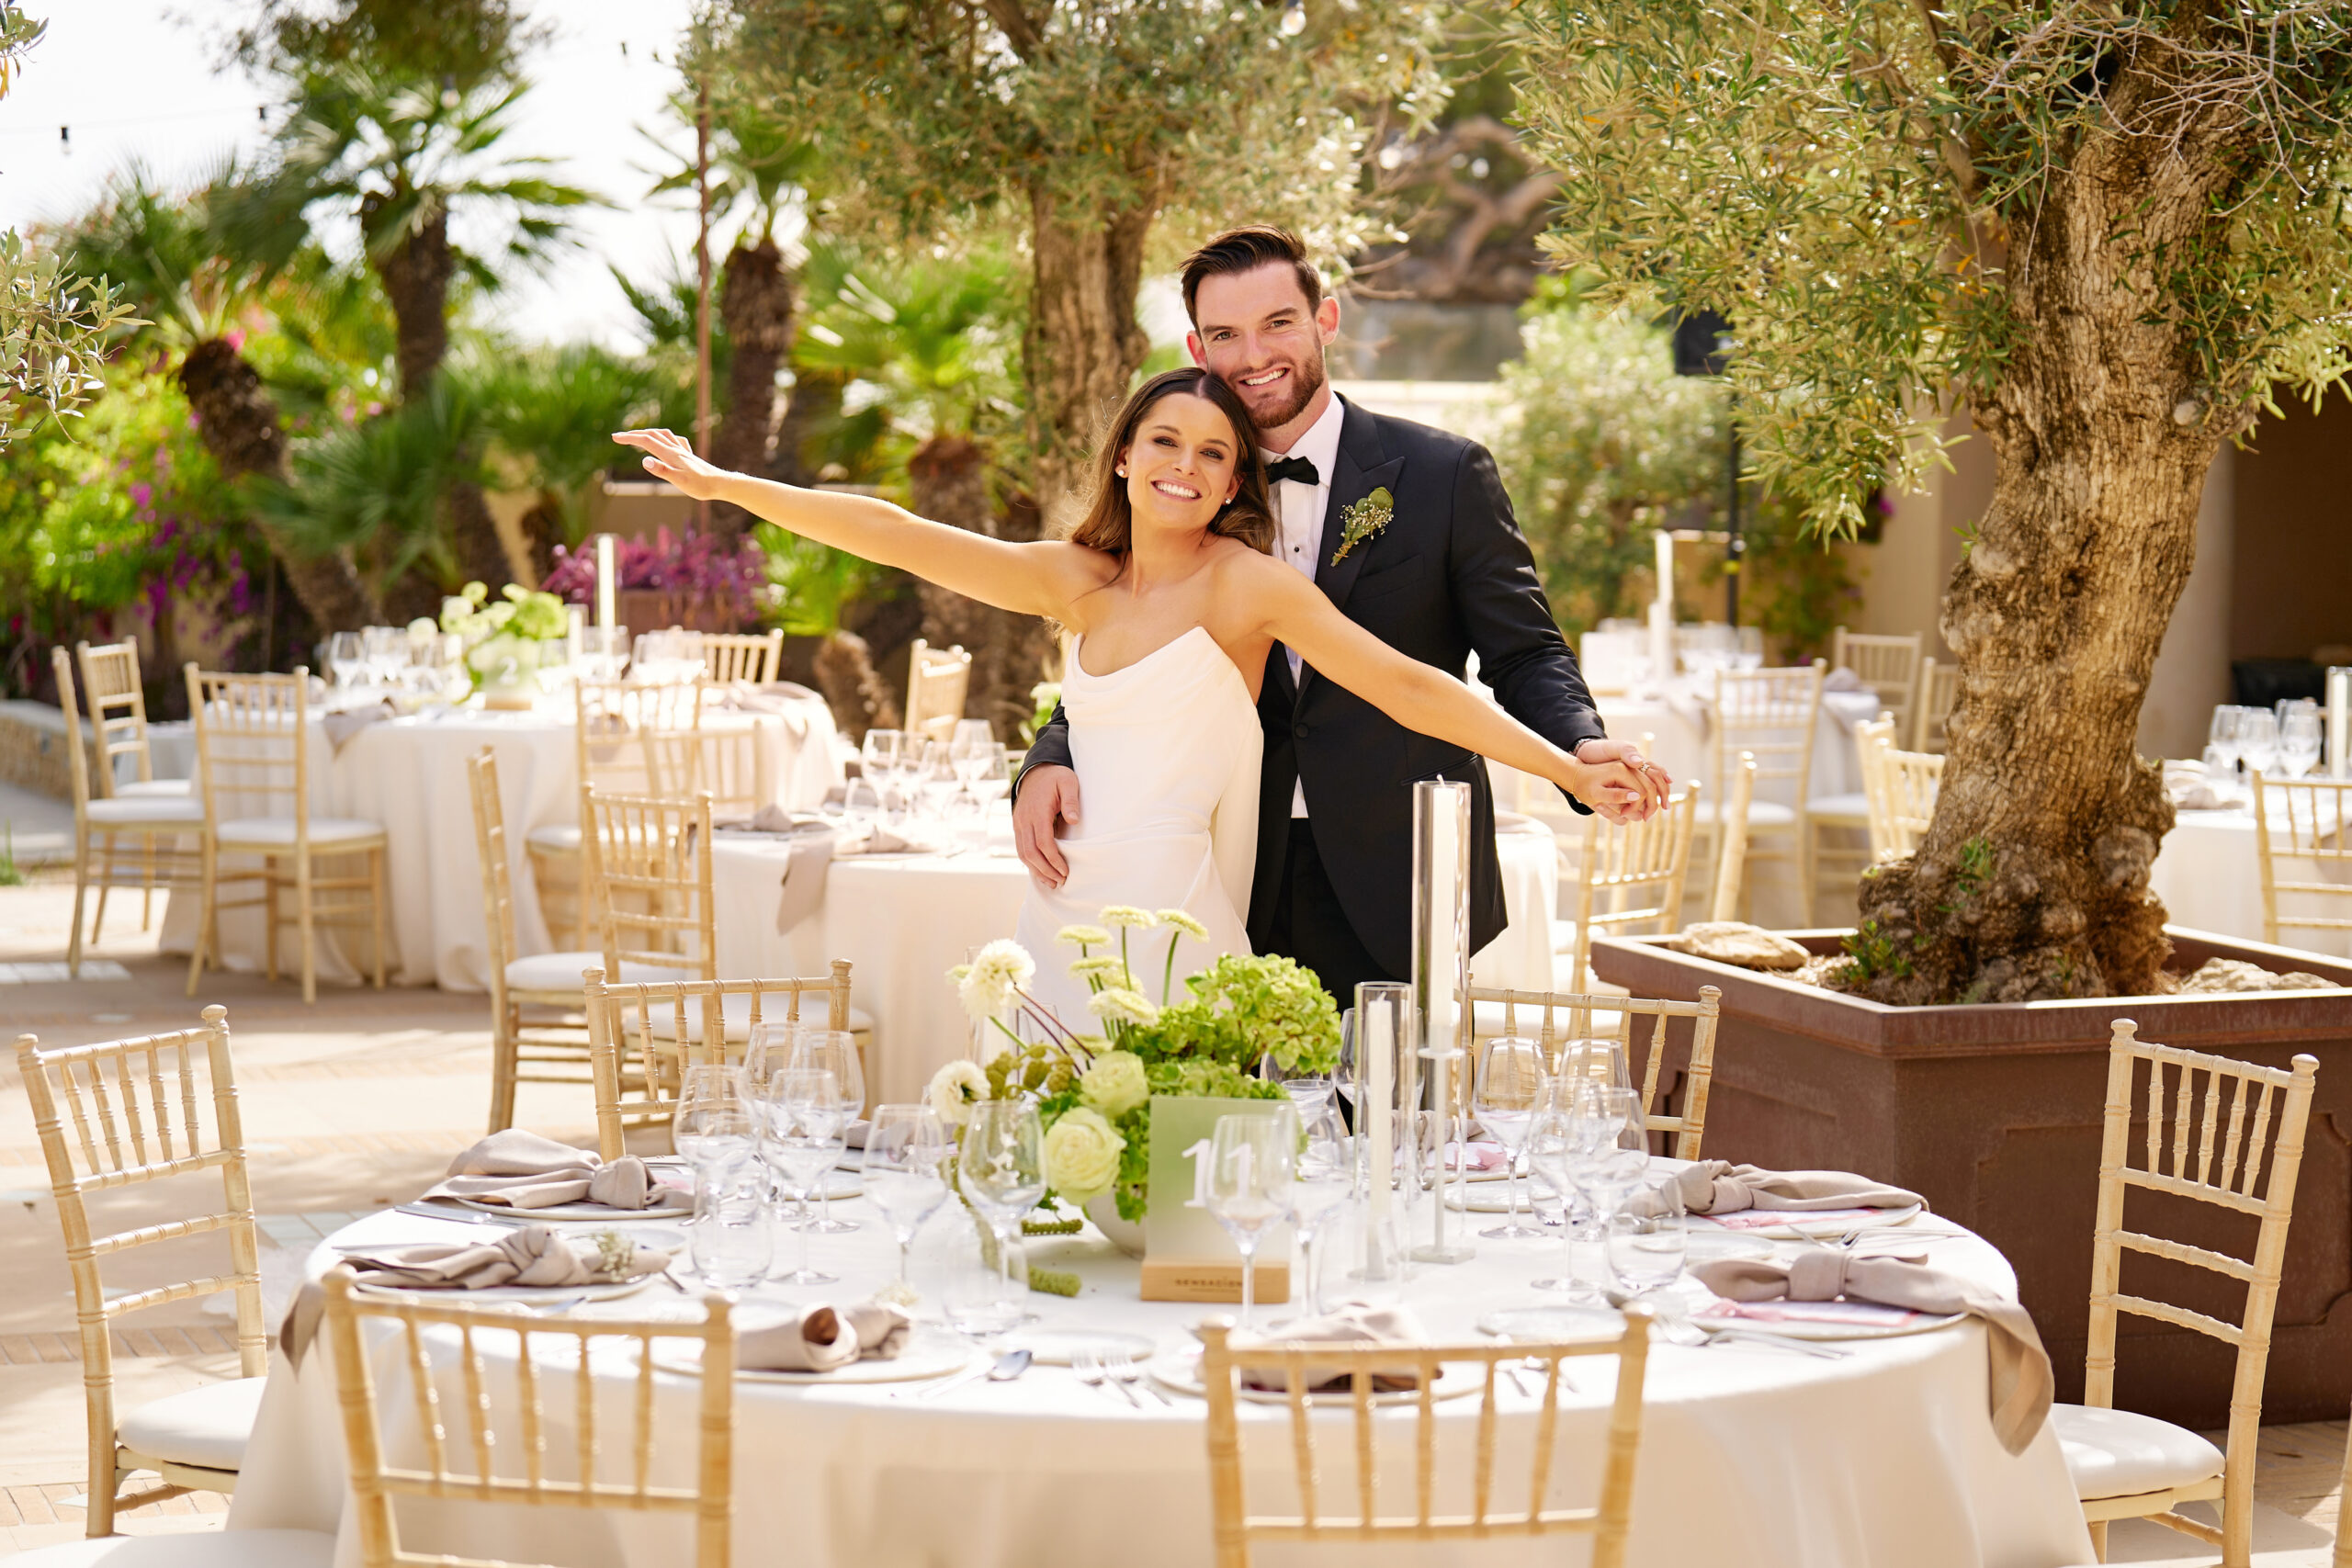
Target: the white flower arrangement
(995, 980)
(1124, 1005)
(959, 1084)
(1082, 1153)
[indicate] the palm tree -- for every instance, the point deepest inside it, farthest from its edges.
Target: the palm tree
(552, 413)
(197, 287)
(400, 155)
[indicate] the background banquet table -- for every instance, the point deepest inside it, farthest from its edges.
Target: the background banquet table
(1758, 1457)
(902, 921)
(410, 775)
(2209, 875)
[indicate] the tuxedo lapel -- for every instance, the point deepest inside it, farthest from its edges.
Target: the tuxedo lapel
(1361, 468)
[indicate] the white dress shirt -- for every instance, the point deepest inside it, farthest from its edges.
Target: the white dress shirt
(1298, 510)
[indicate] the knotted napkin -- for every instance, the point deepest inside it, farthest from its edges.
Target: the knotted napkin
(2192, 789)
(1718, 1187)
(2020, 1381)
(344, 723)
(793, 704)
(824, 1339)
(1349, 1324)
(523, 1170)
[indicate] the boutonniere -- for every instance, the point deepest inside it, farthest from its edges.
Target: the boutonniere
(1361, 519)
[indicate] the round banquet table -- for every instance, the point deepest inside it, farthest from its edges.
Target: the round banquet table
(410, 774)
(1753, 1456)
(903, 921)
(2210, 877)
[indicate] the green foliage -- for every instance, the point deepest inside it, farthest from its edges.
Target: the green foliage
(550, 412)
(1243, 1008)
(933, 340)
(53, 326)
(1874, 953)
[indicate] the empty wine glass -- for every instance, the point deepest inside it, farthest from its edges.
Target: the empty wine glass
(1594, 1140)
(1648, 1241)
(1343, 1080)
(906, 1151)
(879, 758)
(347, 658)
(1253, 1163)
(1509, 1090)
(2258, 739)
(387, 653)
(801, 1138)
(1325, 1174)
(988, 774)
(968, 746)
(833, 1052)
(1000, 1166)
(729, 1238)
(2299, 741)
(2221, 742)
(935, 780)
(712, 1120)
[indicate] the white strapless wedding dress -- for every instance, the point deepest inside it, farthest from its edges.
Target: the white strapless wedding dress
(1167, 753)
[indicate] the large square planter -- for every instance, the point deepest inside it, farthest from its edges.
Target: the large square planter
(1993, 1113)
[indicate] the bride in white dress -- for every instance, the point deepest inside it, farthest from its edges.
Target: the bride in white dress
(1175, 603)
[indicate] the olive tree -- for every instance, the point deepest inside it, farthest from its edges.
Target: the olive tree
(2113, 232)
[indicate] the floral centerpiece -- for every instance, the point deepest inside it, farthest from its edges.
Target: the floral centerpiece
(504, 641)
(1093, 1091)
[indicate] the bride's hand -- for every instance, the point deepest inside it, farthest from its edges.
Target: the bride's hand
(1614, 789)
(668, 456)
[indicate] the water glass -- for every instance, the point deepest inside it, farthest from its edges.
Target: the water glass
(880, 758)
(729, 1239)
(1000, 1167)
(1648, 1239)
(833, 1052)
(1511, 1087)
(1253, 1165)
(984, 1300)
(1319, 1190)
(801, 1139)
(905, 1155)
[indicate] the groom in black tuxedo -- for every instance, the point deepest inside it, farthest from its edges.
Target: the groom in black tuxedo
(1449, 572)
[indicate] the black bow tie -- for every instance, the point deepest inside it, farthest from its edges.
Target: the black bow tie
(1299, 471)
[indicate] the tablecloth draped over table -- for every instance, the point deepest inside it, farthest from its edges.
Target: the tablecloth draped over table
(1755, 1458)
(2209, 875)
(410, 775)
(902, 921)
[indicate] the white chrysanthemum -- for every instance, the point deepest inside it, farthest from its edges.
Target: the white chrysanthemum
(1098, 963)
(1182, 921)
(1083, 936)
(1083, 1154)
(1115, 1083)
(1125, 1006)
(1128, 915)
(989, 988)
(956, 1085)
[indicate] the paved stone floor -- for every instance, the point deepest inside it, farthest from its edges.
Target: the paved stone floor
(357, 1103)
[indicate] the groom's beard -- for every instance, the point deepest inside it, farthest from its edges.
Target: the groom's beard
(1305, 379)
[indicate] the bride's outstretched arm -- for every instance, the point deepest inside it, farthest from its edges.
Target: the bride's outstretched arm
(1040, 579)
(1421, 696)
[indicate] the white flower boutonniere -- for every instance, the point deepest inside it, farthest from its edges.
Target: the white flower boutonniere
(1361, 519)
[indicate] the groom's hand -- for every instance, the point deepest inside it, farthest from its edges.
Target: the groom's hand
(1048, 798)
(1632, 789)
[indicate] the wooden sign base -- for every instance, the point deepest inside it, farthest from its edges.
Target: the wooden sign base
(1212, 1281)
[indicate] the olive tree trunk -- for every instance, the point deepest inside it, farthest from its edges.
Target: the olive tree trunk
(1083, 345)
(2032, 881)
(948, 478)
(756, 304)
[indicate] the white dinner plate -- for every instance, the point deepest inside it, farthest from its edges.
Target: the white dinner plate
(1712, 1246)
(570, 1212)
(1799, 1224)
(1054, 1347)
(923, 1359)
(1181, 1371)
(1860, 1328)
(526, 1295)
(1487, 1196)
(1563, 1324)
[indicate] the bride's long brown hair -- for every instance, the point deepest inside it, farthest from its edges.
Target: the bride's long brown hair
(1109, 523)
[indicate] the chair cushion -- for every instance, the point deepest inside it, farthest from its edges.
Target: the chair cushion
(561, 972)
(278, 833)
(125, 810)
(2118, 1453)
(555, 838)
(738, 1012)
(1564, 936)
(210, 1549)
(1834, 809)
(133, 788)
(1761, 813)
(205, 1427)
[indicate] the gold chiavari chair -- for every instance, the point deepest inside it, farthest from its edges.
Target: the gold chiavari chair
(1628, 877)
(111, 684)
(1731, 866)
(1889, 665)
(112, 1117)
(1537, 1015)
(938, 679)
(2303, 819)
(640, 1035)
(555, 1455)
(1938, 689)
(611, 719)
(2342, 1558)
(646, 867)
(743, 655)
(730, 763)
(1769, 715)
(521, 1051)
(1848, 815)
(101, 824)
(2235, 1143)
(1904, 800)
(253, 756)
(1606, 1521)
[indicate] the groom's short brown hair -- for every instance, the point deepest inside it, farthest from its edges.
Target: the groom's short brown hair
(1246, 249)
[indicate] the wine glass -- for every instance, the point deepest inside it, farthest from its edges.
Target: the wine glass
(2221, 742)
(970, 746)
(2299, 741)
(833, 1052)
(1253, 1164)
(906, 1148)
(1648, 1240)
(989, 776)
(1593, 1141)
(1325, 1176)
(1343, 1080)
(346, 660)
(936, 780)
(1598, 1062)
(2258, 739)
(770, 1052)
(1000, 1167)
(880, 757)
(801, 1138)
(712, 1119)
(730, 1239)
(1509, 1090)
(387, 651)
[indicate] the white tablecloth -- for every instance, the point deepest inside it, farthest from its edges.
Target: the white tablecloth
(902, 921)
(2210, 877)
(410, 775)
(1758, 1457)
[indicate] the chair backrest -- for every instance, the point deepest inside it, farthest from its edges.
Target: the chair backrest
(252, 751)
(729, 762)
(1938, 689)
(77, 755)
(2219, 1132)
(1555, 1020)
(1872, 742)
(937, 681)
(493, 846)
(645, 870)
(549, 1459)
(640, 1034)
(2304, 819)
(743, 655)
(117, 699)
(1486, 1514)
(1631, 874)
(1888, 666)
(1731, 860)
(2343, 1523)
(1907, 785)
(122, 1114)
(1771, 714)
(612, 720)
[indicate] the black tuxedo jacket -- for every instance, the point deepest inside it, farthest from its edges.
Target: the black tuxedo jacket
(1451, 573)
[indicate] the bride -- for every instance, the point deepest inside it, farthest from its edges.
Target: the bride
(1175, 603)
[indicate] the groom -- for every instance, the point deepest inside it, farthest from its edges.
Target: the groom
(1448, 572)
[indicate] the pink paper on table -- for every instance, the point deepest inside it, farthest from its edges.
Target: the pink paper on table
(1857, 1315)
(1772, 1219)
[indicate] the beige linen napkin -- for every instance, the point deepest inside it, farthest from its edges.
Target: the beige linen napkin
(344, 723)
(1718, 1187)
(1347, 1326)
(523, 1170)
(2020, 1380)
(825, 1339)
(2192, 788)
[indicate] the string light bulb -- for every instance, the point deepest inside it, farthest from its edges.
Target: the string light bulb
(1295, 18)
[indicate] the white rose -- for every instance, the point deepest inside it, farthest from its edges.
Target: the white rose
(1115, 1084)
(1083, 1154)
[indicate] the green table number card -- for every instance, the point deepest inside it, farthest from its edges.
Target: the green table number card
(1188, 1257)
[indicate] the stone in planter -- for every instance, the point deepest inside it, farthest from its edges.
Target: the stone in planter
(1993, 1112)
(1738, 942)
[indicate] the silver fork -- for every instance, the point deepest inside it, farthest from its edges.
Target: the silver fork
(1090, 1371)
(1123, 1368)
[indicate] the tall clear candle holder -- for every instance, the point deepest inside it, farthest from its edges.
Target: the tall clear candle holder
(1385, 1022)
(1441, 985)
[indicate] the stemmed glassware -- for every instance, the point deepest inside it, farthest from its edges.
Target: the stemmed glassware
(906, 1150)
(2222, 747)
(934, 778)
(882, 752)
(1509, 1089)
(712, 1120)
(834, 1052)
(1253, 1165)
(1593, 1145)
(2299, 740)
(1649, 1241)
(604, 652)
(387, 653)
(801, 1138)
(2258, 739)
(1325, 1176)
(346, 660)
(1000, 1166)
